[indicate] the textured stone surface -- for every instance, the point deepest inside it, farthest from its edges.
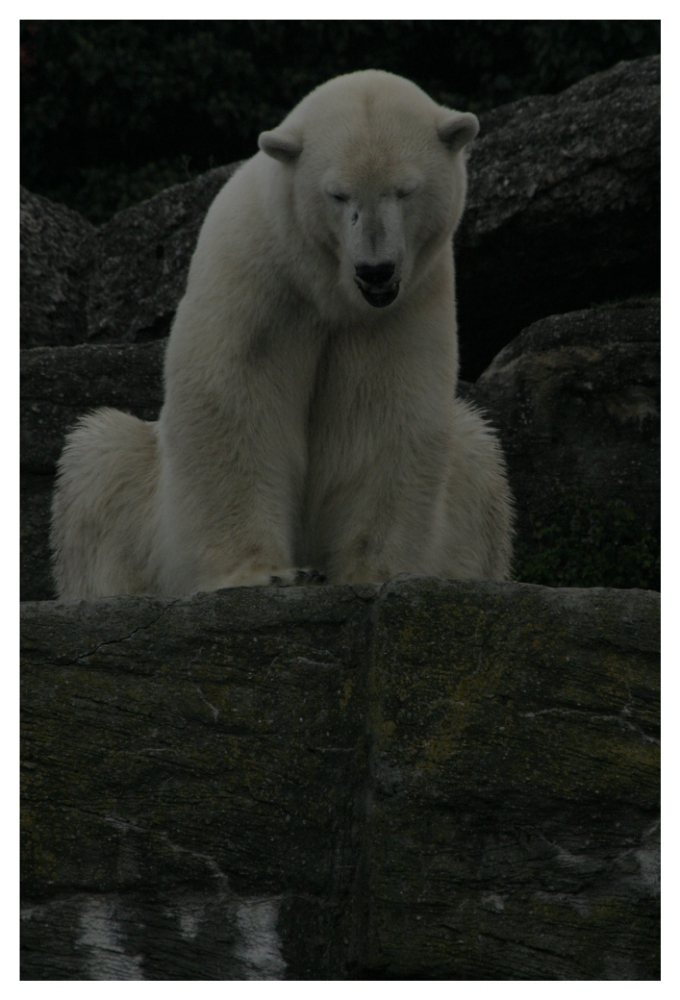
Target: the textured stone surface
(563, 207)
(142, 261)
(512, 825)
(35, 500)
(432, 780)
(56, 250)
(226, 744)
(576, 401)
(60, 384)
(119, 283)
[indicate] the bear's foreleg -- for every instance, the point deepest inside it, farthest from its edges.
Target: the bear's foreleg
(233, 466)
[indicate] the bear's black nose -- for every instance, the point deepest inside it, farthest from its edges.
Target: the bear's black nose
(375, 274)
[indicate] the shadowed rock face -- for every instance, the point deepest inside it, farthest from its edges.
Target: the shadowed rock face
(56, 253)
(428, 780)
(576, 401)
(60, 384)
(119, 283)
(563, 207)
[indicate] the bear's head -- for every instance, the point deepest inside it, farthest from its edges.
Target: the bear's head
(376, 181)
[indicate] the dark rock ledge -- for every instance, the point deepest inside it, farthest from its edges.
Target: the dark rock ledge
(432, 780)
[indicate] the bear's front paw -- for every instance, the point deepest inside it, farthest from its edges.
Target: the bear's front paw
(297, 578)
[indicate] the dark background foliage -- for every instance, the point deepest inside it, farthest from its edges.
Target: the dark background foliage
(591, 543)
(114, 111)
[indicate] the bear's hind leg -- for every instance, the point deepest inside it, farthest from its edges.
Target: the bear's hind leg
(476, 537)
(103, 532)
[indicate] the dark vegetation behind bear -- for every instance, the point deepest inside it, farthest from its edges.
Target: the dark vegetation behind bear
(114, 111)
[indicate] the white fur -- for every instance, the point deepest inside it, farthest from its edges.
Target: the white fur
(303, 425)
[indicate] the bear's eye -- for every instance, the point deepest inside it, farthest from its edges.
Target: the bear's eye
(405, 192)
(339, 196)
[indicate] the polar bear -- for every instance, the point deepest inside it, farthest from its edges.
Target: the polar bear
(310, 417)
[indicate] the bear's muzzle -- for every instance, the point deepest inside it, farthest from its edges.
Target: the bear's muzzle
(372, 281)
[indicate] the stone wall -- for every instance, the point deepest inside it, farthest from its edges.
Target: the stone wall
(425, 780)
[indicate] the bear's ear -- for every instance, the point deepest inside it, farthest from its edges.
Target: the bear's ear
(283, 146)
(458, 130)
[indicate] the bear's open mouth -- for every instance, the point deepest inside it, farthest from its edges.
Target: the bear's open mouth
(378, 297)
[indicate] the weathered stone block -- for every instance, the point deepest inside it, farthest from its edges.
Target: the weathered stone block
(563, 207)
(514, 729)
(118, 283)
(428, 780)
(576, 401)
(142, 258)
(197, 756)
(56, 247)
(61, 384)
